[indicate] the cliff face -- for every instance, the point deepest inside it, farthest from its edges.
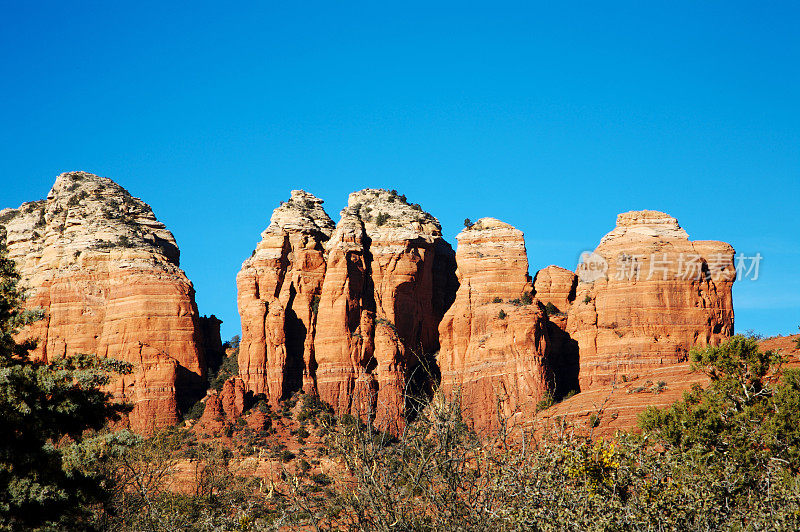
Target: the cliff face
(106, 272)
(279, 290)
(387, 285)
(494, 339)
(349, 312)
(661, 295)
(555, 285)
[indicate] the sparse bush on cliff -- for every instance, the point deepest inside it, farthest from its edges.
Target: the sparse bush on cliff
(381, 218)
(551, 309)
(229, 367)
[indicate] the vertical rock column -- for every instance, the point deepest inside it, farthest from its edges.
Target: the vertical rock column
(494, 338)
(385, 291)
(279, 291)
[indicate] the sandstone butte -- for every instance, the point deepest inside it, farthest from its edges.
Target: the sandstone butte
(494, 338)
(349, 313)
(371, 313)
(107, 274)
(370, 316)
(661, 295)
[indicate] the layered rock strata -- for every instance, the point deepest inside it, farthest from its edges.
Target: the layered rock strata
(106, 272)
(494, 338)
(349, 313)
(389, 280)
(279, 291)
(660, 295)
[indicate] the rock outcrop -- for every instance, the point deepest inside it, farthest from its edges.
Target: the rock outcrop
(279, 290)
(389, 280)
(349, 312)
(107, 273)
(660, 295)
(555, 287)
(494, 339)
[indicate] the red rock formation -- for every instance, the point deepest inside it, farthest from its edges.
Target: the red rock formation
(106, 272)
(383, 296)
(229, 405)
(617, 406)
(278, 292)
(555, 285)
(493, 346)
(212, 342)
(661, 295)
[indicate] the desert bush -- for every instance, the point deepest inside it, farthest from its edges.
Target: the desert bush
(381, 218)
(551, 309)
(700, 465)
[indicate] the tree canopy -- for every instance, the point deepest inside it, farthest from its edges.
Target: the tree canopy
(50, 412)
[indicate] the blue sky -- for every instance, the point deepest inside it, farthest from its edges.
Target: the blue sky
(551, 116)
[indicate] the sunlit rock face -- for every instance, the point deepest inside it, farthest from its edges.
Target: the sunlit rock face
(494, 339)
(390, 278)
(661, 295)
(347, 311)
(106, 272)
(279, 291)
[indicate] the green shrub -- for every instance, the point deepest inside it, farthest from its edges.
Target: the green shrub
(502, 314)
(287, 455)
(546, 402)
(551, 309)
(381, 218)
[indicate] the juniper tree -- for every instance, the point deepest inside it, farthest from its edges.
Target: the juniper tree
(49, 452)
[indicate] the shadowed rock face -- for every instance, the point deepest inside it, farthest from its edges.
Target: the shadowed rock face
(661, 295)
(383, 297)
(279, 291)
(557, 286)
(106, 272)
(494, 341)
(350, 312)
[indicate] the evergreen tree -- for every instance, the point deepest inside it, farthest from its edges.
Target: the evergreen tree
(50, 450)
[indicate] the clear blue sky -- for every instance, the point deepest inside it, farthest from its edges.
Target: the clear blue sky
(554, 119)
